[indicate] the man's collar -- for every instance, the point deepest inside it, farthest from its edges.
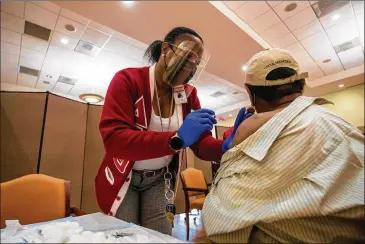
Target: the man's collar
(259, 143)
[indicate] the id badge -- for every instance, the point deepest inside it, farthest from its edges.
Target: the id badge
(180, 95)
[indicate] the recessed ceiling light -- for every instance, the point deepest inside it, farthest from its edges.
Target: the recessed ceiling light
(244, 67)
(91, 98)
(326, 60)
(128, 3)
(46, 82)
(70, 27)
(341, 85)
(290, 7)
(64, 41)
(336, 17)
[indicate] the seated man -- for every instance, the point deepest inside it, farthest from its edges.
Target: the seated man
(296, 173)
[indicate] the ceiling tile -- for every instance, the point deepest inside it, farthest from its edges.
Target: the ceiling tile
(302, 57)
(233, 5)
(64, 41)
(13, 7)
(43, 86)
(9, 76)
(49, 76)
(251, 10)
(9, 68)
(62, 88)
(301, 19)
(358, 6)
(48, 5)
(284, 41)
(275, 32)
(274, 3)
(9, 61)
(352, 57)
(114, 61)
(343, 32)
(79, 89)
(308, 30)
(332, 67)
(140, 45)
(318, 52)
(345, 13)
(295, 47)
(10, 36)
(136, 53)
(61, 27)
(360, 26)
(34, 43)
(10, 48)
(40, 16)
(94, 37)
(118, 46)
(101, 28)
(31, 59)
(265, 21)
(75, 17)
(27, 80)
(11, 22)
(280, 9)
(124, 38)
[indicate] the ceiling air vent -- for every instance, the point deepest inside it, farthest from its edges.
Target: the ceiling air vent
(348, 45)
(66, 80)
(36, 31)
(28, 71)
(87, 48)
(325, 7)
(217, 94)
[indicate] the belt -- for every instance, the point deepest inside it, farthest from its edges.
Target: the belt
(148, 173)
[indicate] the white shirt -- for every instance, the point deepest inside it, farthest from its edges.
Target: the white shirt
(298, 179)
(155, 125)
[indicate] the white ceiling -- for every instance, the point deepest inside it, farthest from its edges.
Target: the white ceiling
(311, 40)
(116, 51)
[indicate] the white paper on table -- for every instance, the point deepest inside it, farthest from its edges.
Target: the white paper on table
(100, 222)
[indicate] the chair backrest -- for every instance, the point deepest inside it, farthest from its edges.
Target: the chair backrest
(193, 178)
(34, 198)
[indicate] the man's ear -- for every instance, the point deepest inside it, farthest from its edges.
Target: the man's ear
(250, 95)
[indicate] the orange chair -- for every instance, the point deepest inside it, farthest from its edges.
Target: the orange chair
(194, 184)
(35, 198)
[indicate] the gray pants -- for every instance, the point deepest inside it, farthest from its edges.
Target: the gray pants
(144, 203)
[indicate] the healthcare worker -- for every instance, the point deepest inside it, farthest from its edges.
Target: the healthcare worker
(147, 120)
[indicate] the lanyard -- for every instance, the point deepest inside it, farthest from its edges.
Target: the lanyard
(169, 193)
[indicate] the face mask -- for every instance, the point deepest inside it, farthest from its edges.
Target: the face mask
(185, 64)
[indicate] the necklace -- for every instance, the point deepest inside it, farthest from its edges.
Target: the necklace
(159, 109)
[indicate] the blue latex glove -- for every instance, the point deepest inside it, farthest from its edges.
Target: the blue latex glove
(242, 115)
(195, 124)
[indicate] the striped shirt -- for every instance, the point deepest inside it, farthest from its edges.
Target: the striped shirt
(299, 178)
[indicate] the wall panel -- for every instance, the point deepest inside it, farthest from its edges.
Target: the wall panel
(21, 127)
(63, 143)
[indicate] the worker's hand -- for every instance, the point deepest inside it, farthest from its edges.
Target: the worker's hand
(243, 114)
(195, 124)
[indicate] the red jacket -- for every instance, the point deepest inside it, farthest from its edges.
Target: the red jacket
(227, 133)
(124, 121)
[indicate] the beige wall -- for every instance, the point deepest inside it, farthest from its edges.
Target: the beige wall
(227, 122)
(349, 104)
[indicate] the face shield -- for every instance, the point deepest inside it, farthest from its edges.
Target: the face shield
(185, 65)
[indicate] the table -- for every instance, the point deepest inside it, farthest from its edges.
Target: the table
(99, 222)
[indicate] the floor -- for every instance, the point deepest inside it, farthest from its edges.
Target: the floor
(179, 230)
